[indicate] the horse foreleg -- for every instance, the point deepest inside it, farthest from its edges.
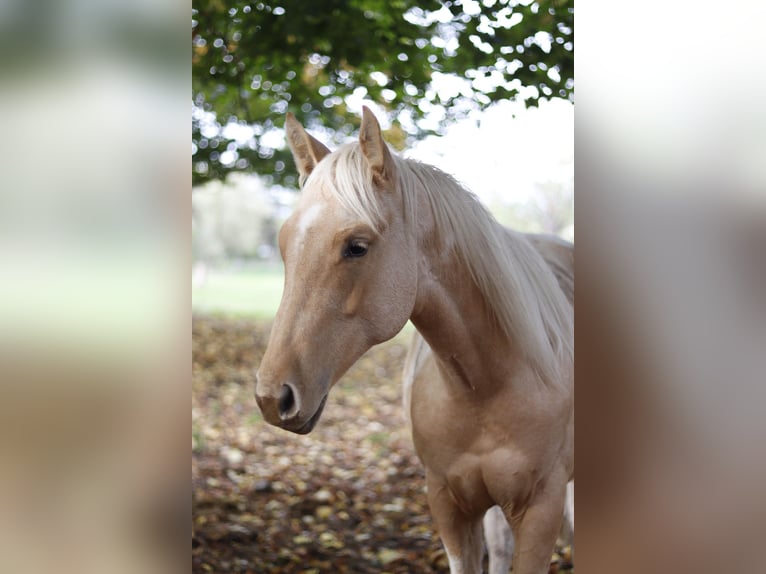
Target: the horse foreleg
(537, 528)
(499, 538)
(461, 534)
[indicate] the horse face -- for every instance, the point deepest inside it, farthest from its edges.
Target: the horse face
(348, 286)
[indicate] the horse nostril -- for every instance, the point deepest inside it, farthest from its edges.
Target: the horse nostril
(286, 401)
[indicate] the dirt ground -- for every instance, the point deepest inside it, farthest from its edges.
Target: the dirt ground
(347, 498)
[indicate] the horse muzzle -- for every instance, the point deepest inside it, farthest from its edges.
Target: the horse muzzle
(287, 411)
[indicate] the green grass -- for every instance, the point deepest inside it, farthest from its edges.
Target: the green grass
(253, 292)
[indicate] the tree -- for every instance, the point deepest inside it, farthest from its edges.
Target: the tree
(252, 60)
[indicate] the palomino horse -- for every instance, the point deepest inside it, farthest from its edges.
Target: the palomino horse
(376, 240)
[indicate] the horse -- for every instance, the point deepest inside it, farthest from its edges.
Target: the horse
(376, 240)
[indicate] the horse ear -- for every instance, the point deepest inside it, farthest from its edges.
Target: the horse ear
(374, 148)
(307, 150)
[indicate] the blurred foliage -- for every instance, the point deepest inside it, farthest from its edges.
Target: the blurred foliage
(252, 61)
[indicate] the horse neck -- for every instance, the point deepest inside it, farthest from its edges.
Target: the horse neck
(453, 317)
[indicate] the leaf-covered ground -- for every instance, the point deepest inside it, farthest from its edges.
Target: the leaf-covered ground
(347, 498)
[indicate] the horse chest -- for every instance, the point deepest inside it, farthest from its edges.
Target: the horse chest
(484, 453)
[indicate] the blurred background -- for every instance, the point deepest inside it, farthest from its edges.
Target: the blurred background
(94, 170)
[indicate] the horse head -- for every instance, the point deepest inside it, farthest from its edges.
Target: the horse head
(350, 273)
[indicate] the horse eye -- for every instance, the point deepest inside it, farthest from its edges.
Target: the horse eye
(355, 248)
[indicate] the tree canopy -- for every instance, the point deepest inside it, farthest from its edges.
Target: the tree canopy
(253, 60)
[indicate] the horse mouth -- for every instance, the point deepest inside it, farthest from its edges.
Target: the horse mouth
(309, 425)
